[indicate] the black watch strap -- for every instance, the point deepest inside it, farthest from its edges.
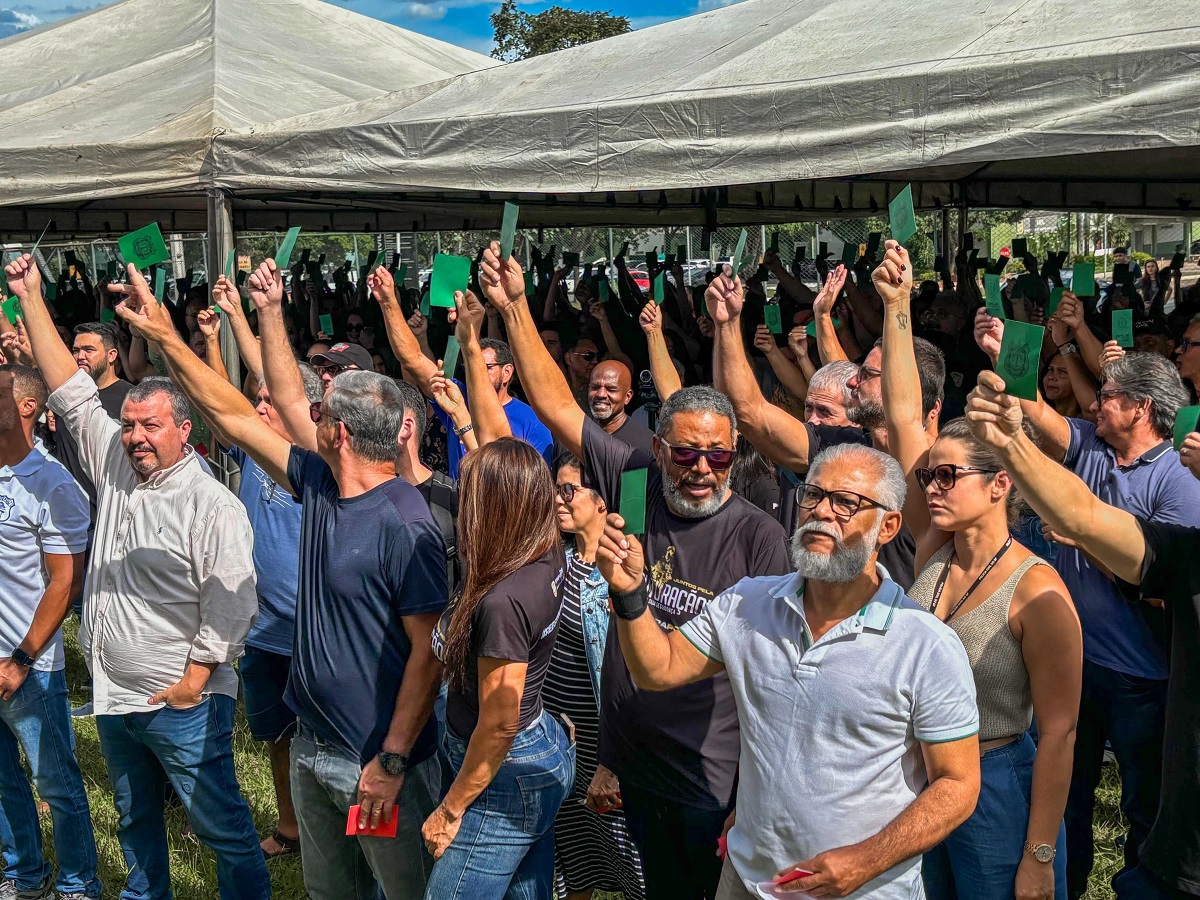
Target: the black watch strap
(21, 658)
(393, 763)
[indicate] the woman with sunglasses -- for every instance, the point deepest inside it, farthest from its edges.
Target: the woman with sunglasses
(592, 846)
(1015, 619)
(492, 836)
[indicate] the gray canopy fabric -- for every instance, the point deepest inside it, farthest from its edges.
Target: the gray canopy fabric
(125, 100)
(820, 105)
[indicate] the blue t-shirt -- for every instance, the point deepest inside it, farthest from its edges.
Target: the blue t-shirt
(365, 563)
(1117, 631)
(521, 419)
(275, 517)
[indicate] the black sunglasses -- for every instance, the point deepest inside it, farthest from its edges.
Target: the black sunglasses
(586, 354)
(845, 504)
(332, 369)
(316, 413)
(719, 459)
(567, 491)
(945, 476)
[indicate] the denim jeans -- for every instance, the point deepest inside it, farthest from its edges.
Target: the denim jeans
(341, 867)
(979, 860)
(1140, 884)
(37, 720)
(193, 746)
(1129, 712)
(505, 844)
(678, 845)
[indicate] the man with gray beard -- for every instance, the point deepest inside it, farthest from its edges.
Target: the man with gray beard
(859, 726)
(675, 754)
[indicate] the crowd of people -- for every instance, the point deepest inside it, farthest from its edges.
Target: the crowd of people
(655, 598)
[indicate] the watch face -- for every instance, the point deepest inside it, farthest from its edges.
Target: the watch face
(1044, 853)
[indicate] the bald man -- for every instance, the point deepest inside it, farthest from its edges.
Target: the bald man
(610, 388)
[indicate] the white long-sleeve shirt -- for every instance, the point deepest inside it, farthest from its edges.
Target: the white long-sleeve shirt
(171, 576)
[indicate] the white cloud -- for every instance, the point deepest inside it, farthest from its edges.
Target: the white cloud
(432, 11)
(710, 5)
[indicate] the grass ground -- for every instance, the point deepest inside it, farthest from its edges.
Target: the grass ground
(193, 868)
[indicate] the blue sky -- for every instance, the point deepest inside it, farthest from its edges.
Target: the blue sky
(462, 22)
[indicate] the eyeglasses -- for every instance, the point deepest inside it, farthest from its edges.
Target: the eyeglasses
(567, 491)
(866, 373)
(316, 413)
(491, 366)
(719, 459)
(332, 370)
(589, 355)
(845, 504)
(1186, 344)
(351, 326)
(1101, 396)
(945, 476)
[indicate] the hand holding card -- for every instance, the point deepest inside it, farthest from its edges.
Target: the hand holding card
(382, 830)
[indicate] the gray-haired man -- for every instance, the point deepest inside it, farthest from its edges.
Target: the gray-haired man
(675, 753)
(372, 585)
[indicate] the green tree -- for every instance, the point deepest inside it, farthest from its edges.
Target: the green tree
(520, 35)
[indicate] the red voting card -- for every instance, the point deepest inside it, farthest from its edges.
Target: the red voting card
(384, 830)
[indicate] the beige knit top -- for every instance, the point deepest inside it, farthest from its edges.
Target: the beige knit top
(1001, 679)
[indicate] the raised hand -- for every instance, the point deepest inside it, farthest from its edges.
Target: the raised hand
(469, 315)
(764, 340)
(650, 318)
(24, 279)
(830, 291)
(798, 341)
(989, 333)
(418, 323)
(266, 286)
(382, 286)
(1111, 352)
(141, 311)
(17, 346)
(227, 298)
(724, 299)
(502, 281)
(595, 309)
(993, 416)
(209, 323)
(893, 277)
(447, 395)
(1070, 311)
(620, 557)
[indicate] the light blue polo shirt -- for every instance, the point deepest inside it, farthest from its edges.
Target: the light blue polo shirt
(831, 730)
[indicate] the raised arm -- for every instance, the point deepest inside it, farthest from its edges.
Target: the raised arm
(1083, 383)
(404, 343)
(790, 376)
(908, 441)
(447, 396)
(209, 324)
(280, 372)
(503, 285)
(54, 360)
(863, 309)
(227, 298)
(1053, 430)
(662, 370)
(1058, 496)
(828, 345)
(1070, 310)
(214, 397)
(789, 284)
(779, 436)
(486, 411)
(600, 314)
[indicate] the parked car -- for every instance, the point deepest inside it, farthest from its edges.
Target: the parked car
(641, 278)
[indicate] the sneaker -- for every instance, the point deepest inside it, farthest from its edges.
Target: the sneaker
(44, 891)
(83, 712)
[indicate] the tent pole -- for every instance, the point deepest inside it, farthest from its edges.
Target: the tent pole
(946, 235)
(220, 242)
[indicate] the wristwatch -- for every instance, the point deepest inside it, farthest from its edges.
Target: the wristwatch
(1043, 853)
(459, 432)
(1068, 348)
(393, 763)
(21, 658)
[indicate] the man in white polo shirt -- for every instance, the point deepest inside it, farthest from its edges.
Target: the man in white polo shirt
(43, 535)
(859, 747)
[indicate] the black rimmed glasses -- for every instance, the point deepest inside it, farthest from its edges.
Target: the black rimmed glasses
(845, 504)
(945, 476)
(567, 491)
(1101, 396)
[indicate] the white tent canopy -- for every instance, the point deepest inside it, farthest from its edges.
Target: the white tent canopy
(125, 101)
(824, 106)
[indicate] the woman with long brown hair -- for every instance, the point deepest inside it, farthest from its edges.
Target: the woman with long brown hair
(492, 836)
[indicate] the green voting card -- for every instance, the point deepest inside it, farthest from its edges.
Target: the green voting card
(450, 357)
(994, 300)
(773, 318)
(775, 242)
(633, 500)
(1083, 280)
(425, 304)
(283, 256)
(402, 274)
(659, 293)
(450, 274)
(508, 230)
(327, 324)
(530, 285)
(144, 247)
(738, 252)
(849, 254)
(811, 328)
(51, 291)
(873, 241)
(681, 254)
(603, 290)
(111, 269)
(1185, 423)
(1020, 356)
(160, 283)
(900, 213)
(1122, 327)
(1020, 248)
(229, 264)
(1056, 296)
(107, 315)
(12, 309)
(569, 259)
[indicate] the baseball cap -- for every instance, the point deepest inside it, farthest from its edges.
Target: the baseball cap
(344, 354)
(1153, 326)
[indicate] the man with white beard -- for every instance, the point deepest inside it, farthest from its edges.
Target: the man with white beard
(859, 727)
(675, 754)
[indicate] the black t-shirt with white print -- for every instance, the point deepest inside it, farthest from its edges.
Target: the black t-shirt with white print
(516, 620)
(680, 744)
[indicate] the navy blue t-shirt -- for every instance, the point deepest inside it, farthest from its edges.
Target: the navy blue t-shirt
(365, 562)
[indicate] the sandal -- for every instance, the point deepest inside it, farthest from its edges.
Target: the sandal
(287, 846)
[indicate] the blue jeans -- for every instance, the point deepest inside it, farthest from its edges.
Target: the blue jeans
(264, 679)
(38, 720)
(1140, 884)
(1129, 712)
(194, 748)
(979, 860)
(505, 844)
(340, 867)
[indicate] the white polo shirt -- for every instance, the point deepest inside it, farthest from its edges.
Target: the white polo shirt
(831, 730)
(42, 510)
